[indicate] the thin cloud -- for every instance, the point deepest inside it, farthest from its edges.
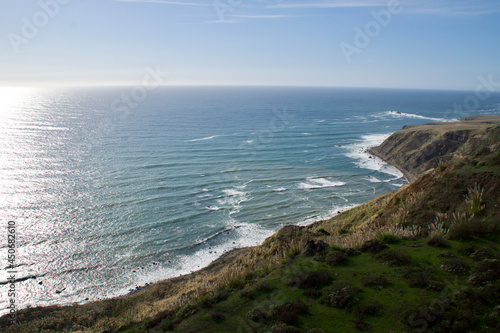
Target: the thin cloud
(241, 18)
(434, 7)
(330, 4)
(457, 11)
(264, 16)
(453, 8)
(169, 2)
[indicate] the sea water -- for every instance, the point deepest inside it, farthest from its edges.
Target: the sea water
(107, 196)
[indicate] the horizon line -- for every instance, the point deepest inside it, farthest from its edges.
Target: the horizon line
(131, 85)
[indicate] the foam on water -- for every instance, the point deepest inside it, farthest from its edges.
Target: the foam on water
(397, 114)
(205, 138)
(232, 199)
(316, 183)
(359, 152)
(240, 236)
(332, 212)
(373, 179)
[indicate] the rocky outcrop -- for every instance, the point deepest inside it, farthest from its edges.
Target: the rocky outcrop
(416, 149)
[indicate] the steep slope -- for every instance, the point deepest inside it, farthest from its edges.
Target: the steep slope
(416, 149)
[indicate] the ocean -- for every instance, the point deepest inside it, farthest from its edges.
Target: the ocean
(112, 188)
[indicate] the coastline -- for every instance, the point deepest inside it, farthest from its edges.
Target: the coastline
(231, 255)
(189, 298)
(410, 177)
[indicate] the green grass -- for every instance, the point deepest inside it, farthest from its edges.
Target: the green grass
(393, 298)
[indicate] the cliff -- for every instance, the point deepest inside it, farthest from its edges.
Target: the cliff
(416, 149)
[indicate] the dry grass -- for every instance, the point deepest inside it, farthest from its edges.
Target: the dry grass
(474, 200)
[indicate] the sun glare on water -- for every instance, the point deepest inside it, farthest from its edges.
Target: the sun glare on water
(11, 98)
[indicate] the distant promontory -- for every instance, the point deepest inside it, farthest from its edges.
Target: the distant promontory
(416, 149)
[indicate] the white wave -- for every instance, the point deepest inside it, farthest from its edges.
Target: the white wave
(280, 189)
(359, 152)
(203, 139)
(334, 211)
(373, 179)
(242, 235)
(315, 183)
(213, 208)
(233, 192)
(232, 200)
(397, 114)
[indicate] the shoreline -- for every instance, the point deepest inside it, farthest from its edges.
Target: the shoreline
(231, 255)
(178, 291)
(410, 178)
(226, 257)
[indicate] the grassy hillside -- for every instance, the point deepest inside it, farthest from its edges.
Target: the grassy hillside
(423, 259)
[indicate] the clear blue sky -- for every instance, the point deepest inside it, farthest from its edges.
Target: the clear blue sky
(434, 44)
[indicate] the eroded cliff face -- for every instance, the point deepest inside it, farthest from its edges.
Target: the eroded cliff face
(416, 149)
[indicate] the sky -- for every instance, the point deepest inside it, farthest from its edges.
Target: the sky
(416, 44)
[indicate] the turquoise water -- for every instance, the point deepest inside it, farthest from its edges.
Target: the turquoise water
(107, 198)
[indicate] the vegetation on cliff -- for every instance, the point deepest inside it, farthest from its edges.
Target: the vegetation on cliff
(424, 258)
(416, 149)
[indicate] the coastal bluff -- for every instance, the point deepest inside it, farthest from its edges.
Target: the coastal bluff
(417, 149)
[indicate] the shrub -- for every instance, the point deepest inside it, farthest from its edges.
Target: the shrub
(159, 318)
(387, 238)
(258, 314)
(312, 293)
(486, 271)
(369, 309)
(336, 258)
(322, 232)
(465, 229)
(396, 200)
(467, 249)
(373, 246)
(495, 160)
(310, 279)
(217, 316)
(341, 295)
(351, 252)
(282, 328)
(265, 287)
(247, 294)
(394, 257)
(421, 278)
(238, 282)
(311, 248)
(455, 266)
(361, 325)
(376, 281)
(288, 312)
(426, 316)
(438, 241)
(481, 254)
